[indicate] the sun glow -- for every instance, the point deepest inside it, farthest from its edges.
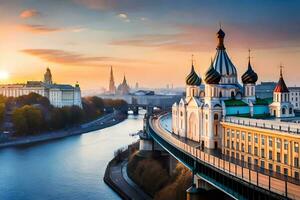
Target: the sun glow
(4, 75)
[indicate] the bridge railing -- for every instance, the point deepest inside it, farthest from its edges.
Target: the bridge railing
(273, 184)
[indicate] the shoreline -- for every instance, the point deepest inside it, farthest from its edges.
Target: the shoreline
(117, 179)
(102, 122)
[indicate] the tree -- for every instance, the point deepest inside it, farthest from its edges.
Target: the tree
(27, 120)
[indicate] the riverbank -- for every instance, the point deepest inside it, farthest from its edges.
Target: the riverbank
(100, 123)
(116, 177)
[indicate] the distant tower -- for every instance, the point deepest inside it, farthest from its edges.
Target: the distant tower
(281, 106)
(48, 77)
(112, 87)
(136, 85)
(123, 88)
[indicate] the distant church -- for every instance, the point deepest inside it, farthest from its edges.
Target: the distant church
(122, 89)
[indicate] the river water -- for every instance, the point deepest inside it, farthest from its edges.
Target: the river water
(69, 168)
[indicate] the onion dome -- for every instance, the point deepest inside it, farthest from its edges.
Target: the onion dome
(222, 62)
(193, 78)
(249, 77)
(281, 86)
(212, 76)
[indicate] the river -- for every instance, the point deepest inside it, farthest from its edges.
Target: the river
(69, 168)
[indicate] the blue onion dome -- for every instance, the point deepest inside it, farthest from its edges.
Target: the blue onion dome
(193, 78)
(249, 77)
(212, 76)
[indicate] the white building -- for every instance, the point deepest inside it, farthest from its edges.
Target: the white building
(295, 97)
(198, 116)
(59, 95)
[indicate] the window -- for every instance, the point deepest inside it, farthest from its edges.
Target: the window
(278, 157)
(256, 151)
(277, 168)
(232, 144)
(242, 158)
(243, 135)
(297, 175)
(285, 159)
(255, 139)
(286, 145)
(249, 160)
(278, 143)
(262, 164)
(283, 111)
(270, 167)
(291, 111)
(237, 146)
(270, 142)
(243, 147)
(270, 155)
(286, 171)
(296, 162)
(228, 132)
(296, 147)
(237, 155)
(232, 133)
(262, 140)
(262, 152)
(232, 154)
(216, 117)
(227, 145)
(249, 137)
(249, 149)
(237, 134)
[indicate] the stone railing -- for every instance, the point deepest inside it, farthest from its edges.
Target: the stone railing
(265, 124)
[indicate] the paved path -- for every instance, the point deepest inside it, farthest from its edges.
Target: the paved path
(118, 175)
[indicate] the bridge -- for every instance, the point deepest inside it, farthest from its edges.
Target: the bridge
(143, 101)
(236, 179)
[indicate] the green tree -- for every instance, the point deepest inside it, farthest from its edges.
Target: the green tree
(27, 120)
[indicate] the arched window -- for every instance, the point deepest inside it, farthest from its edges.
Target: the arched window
(274, 112)
(232, 94)
(220, 93)
(216, 116)
(283, 111)
(291, 111)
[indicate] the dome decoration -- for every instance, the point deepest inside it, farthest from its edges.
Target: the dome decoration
(193, 78)
(249, 77)
(281, 86)
(212, 76)
(222, 62)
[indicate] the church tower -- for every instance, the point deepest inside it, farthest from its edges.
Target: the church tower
(48, 77)
(249, 79)
(281, 106)
(193, 81)
(112, 87)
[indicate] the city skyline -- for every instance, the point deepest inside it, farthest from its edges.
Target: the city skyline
(143, 39)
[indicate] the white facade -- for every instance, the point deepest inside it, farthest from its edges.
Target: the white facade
(199, 114)
(295, 97)
(59, 95)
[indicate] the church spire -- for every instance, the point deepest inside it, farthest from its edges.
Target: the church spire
(112, 87)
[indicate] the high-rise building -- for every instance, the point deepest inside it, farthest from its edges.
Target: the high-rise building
(111, 87)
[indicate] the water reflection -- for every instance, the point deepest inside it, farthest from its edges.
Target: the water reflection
(70, 168)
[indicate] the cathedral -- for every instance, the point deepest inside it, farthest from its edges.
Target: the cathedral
(198, 116)
(122, 89)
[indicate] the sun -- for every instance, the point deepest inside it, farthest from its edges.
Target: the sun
(4, 75)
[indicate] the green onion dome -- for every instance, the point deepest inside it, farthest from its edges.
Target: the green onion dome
(249, 77)
(193, 78)
(212, 76)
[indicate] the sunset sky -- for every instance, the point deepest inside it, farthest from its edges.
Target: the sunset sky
(149, 41)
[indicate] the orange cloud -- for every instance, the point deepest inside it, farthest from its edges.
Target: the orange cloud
(29, 13)
(38, 29)
(71, 58)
